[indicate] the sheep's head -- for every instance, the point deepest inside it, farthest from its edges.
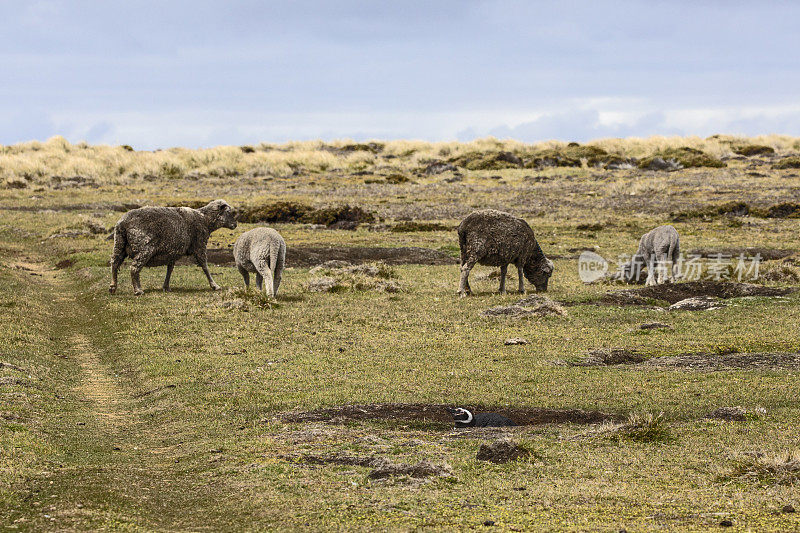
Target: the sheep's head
(220, 214)
(631, 271)
(539, 274)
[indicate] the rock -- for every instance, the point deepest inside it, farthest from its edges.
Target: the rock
(697, 303)
(655, 325)
(235, 305)
(349, 225)
(323, 284)
(659, 163)
(329, 265)
(419, 470)
(437, 167)
(502, 451)
(736, 413)
(788, 508)
(514, 341)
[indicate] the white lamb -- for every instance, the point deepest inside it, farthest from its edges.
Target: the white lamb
(263, 251)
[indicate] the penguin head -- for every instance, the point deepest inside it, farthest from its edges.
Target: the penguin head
(461, 416)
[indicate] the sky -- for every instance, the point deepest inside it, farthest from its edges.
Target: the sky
(155, 74)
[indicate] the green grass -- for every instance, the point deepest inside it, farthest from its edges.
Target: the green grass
(164, 412)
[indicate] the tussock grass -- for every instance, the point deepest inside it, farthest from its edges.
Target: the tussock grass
(639, 427)
(778, 469)
(34, 162)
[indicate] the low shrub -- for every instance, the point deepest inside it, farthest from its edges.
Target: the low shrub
(686, 156)
(787, 162)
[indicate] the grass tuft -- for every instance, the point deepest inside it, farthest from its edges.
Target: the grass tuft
(777, 469)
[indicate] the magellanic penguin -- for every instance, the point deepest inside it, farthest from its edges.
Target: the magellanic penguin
(464, 418)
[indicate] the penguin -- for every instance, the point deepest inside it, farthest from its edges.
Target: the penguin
(464, 418)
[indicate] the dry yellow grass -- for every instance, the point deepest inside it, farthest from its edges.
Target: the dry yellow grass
(36, 162)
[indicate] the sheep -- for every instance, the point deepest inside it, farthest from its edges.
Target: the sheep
(656, 247)
(495, 238)
(263, 251)
(156, 236)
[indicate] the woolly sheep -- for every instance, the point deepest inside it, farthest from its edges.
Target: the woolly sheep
(263, 251)
(656, 247)
(495, 238)
(156, 236)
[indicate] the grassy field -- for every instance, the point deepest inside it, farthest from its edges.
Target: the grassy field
(196, 410)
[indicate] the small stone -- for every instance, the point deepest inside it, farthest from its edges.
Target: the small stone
(655, 325)
(697, 303)
(515, 340)
(788, 508)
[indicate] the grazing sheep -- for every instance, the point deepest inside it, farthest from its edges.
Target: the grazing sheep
(263, 251)
(656, 247)
(155, 236)
(494, 238)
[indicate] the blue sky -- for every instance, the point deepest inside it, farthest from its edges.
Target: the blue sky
(159, 74)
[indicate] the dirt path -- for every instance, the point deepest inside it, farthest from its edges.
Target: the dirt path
(98, 386)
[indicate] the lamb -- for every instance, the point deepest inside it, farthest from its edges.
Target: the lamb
(263, 251)
(656, 247)
(156, 236)
(495, 238)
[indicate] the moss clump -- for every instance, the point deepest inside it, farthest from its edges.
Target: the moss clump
(409, 227)
(569, 156)
(753, 149)
(551, 158)
(397, 178)
(362, 147)
(686, 156)
(487, 161)
(275, 212)
(331, 215)
(783, 210)
(737, 209)
(788, 162)
(297, 212)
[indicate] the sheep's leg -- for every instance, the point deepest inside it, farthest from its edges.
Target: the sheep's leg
(651, 267)
(503, 272)
(117, 259)
(259, 281)
(137, 265)
(116, 262)
(269, 288)
(463, 287)
(200, 258)
(661, 267)
(520, 273)
(170, 266)
(246, 275)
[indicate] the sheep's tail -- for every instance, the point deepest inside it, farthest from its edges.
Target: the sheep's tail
(274, 252)
(120, 243)
(462, 244)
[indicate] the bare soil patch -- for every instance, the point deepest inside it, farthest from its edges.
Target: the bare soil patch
(383, 468)
(609, 357)
(730, 361)
(767, 254)
(675, 292)
(309, 256)
(419, 412)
